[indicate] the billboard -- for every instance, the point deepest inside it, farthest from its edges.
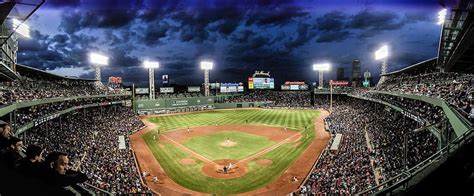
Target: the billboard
(231, 87)
(165, 79)
(193, 89)
(250, 83)
(262, 83)
(332, 82)
(115, 80)
(214, 85)
(294, 87)
(166, 89)
(140, 91)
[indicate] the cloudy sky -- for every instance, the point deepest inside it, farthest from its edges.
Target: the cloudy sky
(284, 37)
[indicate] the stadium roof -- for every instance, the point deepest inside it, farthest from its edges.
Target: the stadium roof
(26, 69)
(20, 10)
(456, 51)
(421, 67)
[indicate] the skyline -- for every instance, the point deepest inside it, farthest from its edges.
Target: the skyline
(283, 37)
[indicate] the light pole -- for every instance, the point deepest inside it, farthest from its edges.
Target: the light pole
(151, 65)
(321, 67)
(441, 18)
(382, 54)
(98, 60)
(206, 66)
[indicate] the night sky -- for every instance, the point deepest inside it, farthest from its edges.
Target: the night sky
(240, 36)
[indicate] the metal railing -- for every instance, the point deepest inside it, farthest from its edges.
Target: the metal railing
(433, 161)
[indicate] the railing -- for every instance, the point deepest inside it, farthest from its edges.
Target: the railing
(404, 178)
(96, 190)
(5, 109)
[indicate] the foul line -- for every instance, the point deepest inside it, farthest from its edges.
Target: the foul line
(268, 149)
(203, 158)
(189, 150)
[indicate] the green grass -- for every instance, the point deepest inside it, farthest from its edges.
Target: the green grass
(209, 145)
(191, 177)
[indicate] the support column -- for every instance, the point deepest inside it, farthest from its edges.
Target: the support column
(206, 82)
(383, 71)
(151, 77)
(320, 79)
(97, 76)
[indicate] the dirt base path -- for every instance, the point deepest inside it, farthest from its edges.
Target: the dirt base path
(302, 166)
(147, 162)
(282, 186)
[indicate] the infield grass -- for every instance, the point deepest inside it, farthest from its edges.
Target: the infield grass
(191, 176)
(246, 144)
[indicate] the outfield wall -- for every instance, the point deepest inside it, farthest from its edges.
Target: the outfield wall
(170, 105)
(237, 105)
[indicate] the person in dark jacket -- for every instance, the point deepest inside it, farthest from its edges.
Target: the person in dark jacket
(30, 165)
(57, 173)
(5, 135)
(12, 156)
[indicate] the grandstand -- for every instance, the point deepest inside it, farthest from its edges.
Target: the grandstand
(411, 134)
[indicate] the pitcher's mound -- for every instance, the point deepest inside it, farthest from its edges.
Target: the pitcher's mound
(187, 161)
(228, 143)
(264, 162)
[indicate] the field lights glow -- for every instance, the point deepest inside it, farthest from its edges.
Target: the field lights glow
(381, 53)
(206, 65)
(151, 64)
(321, 67)
(98, 59)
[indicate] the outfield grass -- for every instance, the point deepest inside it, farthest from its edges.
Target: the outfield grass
(190, 176)
(209, 145)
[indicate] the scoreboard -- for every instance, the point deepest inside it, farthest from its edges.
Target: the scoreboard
(261, 83)
(294, 86)
(231, 87)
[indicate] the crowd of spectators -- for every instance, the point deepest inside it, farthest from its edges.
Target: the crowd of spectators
(171, 95)
(372, 137)
(90, 138)
(28, 114)
(455, 88)
(40, 175)
(432, 114)
(38, 86)
(289, 99)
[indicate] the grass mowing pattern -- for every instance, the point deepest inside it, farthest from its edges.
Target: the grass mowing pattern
(209, 145)
(295, 119)
(190, 176)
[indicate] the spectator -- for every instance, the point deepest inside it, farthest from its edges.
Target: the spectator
(57, 173)
(30, 165)
(5, 135)
(12, 156)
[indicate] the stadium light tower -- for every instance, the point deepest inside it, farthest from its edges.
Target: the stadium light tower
(321, 67)
(441, 19)
(382, 54)
(98, 60)
(206, 66)
(151, 65)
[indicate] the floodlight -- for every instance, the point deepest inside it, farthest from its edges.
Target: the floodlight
(21, 29)
(381, 53)
(151, 64)
(98, 59)
(441, 16)
(206, 65)
(321, 67)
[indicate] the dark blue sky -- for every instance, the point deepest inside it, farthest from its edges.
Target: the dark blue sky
(241, 36)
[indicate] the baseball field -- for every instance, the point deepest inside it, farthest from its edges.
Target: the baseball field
(256, 145)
